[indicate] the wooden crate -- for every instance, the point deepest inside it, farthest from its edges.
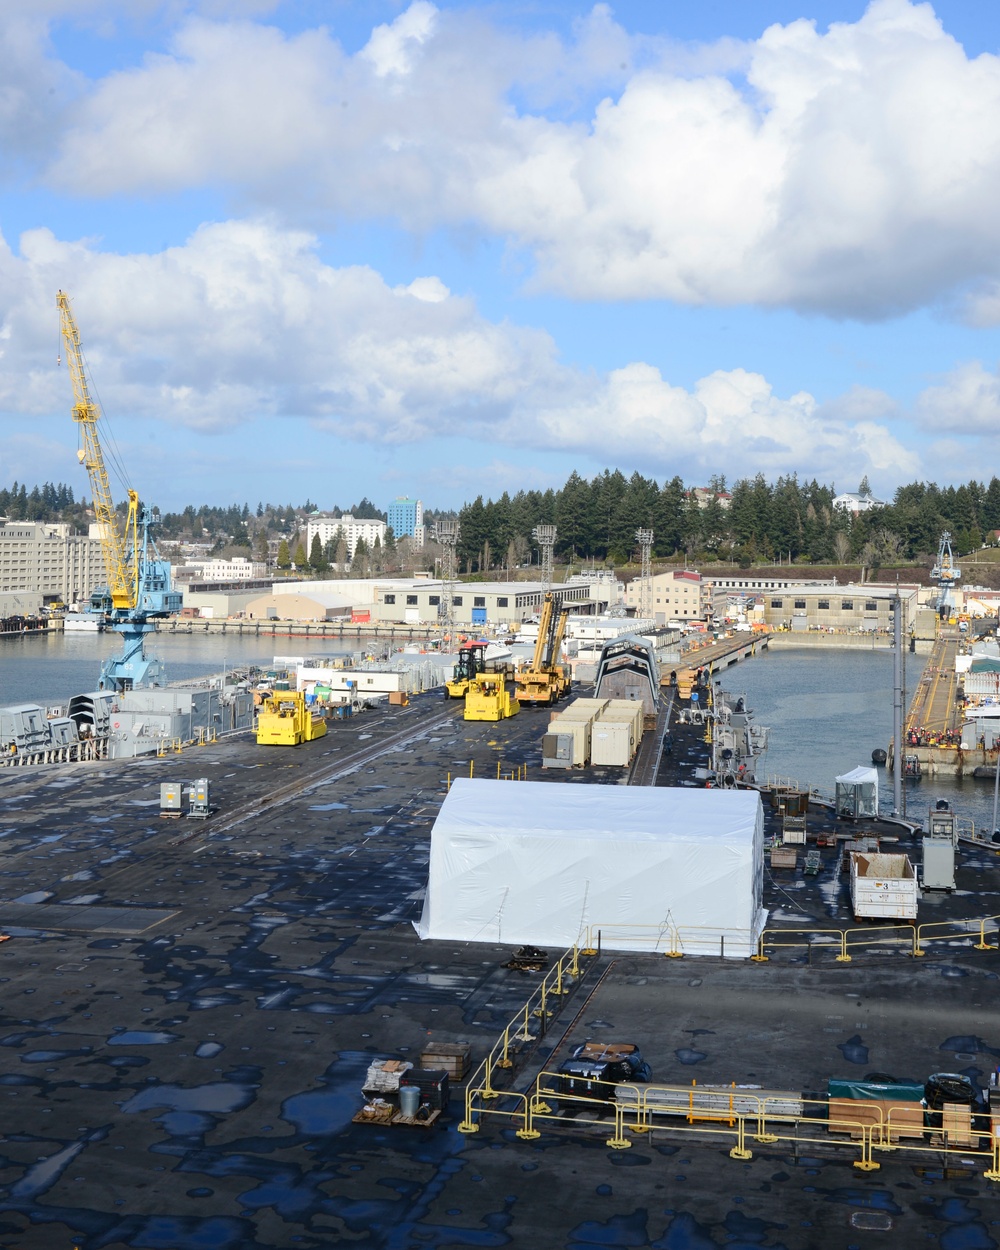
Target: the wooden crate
(784, 857)
(899, 1117)
(451, 1057)
(956, 1125)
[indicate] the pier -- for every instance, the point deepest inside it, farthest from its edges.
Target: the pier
(935, 712)
(713, 655)
(352, 630)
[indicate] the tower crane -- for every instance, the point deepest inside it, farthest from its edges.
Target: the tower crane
(138, 589)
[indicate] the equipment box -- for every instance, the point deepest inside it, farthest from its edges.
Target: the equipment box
(451, 1057)
(433, 1084)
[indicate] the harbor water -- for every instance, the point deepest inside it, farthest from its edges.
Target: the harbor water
(828, 709)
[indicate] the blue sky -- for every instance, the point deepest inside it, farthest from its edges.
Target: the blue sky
(332, 249)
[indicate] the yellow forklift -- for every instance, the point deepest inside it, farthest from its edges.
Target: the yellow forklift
(471, 662)
(488, 698)
(545, 681)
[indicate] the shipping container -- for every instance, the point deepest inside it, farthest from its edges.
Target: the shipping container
(567, 742)
(883, 886)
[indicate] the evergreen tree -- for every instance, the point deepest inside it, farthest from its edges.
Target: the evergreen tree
(317, 560)
(300, 559)
(284, 558)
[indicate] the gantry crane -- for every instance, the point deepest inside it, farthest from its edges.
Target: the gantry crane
(946, 572)
(138, 589)
(546, 680)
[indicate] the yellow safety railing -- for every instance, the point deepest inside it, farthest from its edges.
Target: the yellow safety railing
(953, 931)
(526, 1026)
(882, 935)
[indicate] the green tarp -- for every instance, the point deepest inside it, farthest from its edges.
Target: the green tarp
(902, 1091)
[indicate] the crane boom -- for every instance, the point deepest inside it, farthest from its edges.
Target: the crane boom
(139, 585)
(86, 413)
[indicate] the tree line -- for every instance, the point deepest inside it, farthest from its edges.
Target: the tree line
(750, 522)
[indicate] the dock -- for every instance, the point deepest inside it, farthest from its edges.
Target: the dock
(935, 713)
(714, 655)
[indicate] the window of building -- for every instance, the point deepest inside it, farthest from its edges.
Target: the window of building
(457, 601)
(502, 601)
(871, 605)
(800, 603)
(775, 603)
(411, 600)
(847, 605)
(479, 601)
(433, 600)
(390, 599)
(824, 604)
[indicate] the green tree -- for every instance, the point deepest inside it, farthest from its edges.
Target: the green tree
(300, 559)
(284, 557)
(317, 559)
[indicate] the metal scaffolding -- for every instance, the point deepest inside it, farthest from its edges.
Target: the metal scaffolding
(545, 536)
(447, 536)
(645, 540)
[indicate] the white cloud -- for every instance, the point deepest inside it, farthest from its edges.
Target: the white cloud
(244, 321)
(966, 400)
(854, 172)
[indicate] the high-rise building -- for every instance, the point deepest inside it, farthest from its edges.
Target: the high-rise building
(406, 518)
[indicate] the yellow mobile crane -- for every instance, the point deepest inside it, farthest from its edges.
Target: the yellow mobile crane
(546, 680)
(138, 589)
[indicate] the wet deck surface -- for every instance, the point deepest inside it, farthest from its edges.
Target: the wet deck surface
(187, 1018)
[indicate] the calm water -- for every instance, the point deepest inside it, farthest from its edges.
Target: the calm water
(49, 669)
(827, 709)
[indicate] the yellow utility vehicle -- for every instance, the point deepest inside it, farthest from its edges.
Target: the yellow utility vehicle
(545, 681)
(286, 720)
(488, 698)
(471, 662)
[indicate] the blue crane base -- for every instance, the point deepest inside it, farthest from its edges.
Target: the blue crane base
(132, 669)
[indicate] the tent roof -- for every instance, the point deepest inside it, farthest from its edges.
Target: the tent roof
(859, 775)
(615, 814)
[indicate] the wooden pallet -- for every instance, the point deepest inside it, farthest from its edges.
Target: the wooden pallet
(412, 1122)
(384, 1115)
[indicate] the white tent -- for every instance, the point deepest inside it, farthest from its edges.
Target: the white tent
(539, 863)
(857, 793)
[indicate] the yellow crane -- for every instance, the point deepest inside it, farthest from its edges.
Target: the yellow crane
(545, 681)
(139, 588)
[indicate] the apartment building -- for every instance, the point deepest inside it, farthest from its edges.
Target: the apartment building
(353, 530)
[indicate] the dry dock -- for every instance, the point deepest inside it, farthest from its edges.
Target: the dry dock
(189, 1009)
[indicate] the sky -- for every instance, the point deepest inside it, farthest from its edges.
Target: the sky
(325, 249)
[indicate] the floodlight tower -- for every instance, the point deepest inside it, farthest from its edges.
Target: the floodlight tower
(447, 536)
(545, 536)
(645, 540)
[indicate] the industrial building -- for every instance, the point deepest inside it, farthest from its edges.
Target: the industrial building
(680, 594)
(47, 559)
(301, 605)
(478, 603)
(849, 607)
(351, 529)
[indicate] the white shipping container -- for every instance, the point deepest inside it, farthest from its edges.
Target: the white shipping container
(578, 731)
(883, 886)
(612, 742)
